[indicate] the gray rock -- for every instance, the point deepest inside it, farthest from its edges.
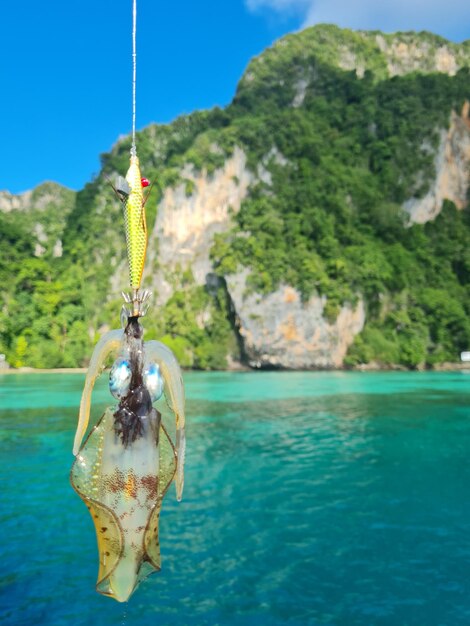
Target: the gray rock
(279, 330)
(452, 163)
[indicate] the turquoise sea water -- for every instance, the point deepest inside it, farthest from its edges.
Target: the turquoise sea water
(310, 498)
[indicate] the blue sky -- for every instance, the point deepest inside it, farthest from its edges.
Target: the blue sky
(66, 66)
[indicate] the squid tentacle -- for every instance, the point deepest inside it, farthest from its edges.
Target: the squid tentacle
(174, 392)
(109, 342)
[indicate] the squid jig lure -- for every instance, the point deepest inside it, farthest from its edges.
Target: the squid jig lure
(129, 459)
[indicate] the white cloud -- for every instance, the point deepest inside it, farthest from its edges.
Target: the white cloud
(450, 18)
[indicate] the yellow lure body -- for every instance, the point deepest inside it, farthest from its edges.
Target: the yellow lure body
(135, 223)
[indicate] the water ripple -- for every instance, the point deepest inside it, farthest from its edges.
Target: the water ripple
(310, 499)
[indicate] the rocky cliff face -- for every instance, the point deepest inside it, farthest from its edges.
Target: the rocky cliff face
(279, 330)
(295, 56)
(401, 54)
(45, 196)
(452, 176)
(405, 53)
(15, 202)
(47, 207)
(187, 222)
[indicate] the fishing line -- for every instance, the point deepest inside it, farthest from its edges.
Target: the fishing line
(134, 73)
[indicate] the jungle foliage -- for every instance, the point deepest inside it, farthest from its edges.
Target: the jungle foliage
(339, 155)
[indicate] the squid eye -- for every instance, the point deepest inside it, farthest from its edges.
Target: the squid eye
(153, 380)
(120, 378)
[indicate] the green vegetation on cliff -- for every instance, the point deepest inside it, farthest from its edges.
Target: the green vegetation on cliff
(331, 221)
(341, 153)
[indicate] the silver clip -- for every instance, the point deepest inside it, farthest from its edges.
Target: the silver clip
(139, 301)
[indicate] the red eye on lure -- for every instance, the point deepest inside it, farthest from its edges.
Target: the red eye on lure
(145, 182)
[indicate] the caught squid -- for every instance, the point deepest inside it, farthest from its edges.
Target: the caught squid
(125, 465)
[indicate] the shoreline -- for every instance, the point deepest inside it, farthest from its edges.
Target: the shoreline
(32, 370)
(366, 367)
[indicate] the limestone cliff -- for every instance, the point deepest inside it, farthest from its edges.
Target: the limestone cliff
(186, 222)
(47, 207)
(279, 330)
(452, 167)
(15, 202)
(295, 56)
(406, 52)
(41, 198)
